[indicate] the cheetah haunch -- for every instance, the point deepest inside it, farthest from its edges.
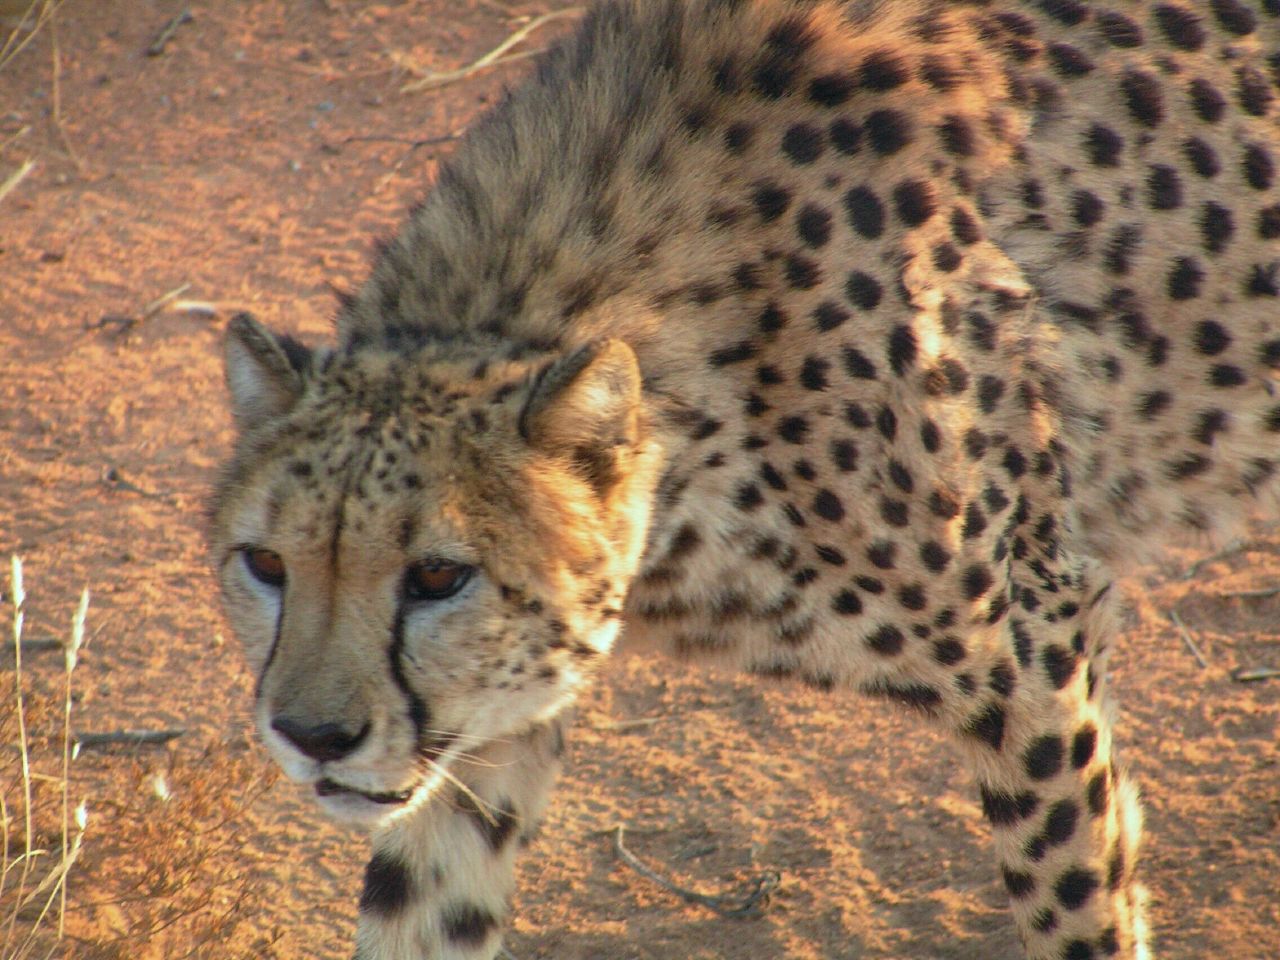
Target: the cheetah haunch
(854, 343)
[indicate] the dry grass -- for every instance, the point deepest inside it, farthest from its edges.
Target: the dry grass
(151, 868)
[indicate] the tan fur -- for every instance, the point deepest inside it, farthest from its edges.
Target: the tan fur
(854, 343)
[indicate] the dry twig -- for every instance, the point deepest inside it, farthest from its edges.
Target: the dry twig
(1252, 674)
(749, 901)
(431, 79)
(133, 738)
(11, 182)
(1186, 638)
(167, 31)
(1231, 549)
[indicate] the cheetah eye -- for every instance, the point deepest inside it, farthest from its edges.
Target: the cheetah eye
(266, 566)
(435, 579)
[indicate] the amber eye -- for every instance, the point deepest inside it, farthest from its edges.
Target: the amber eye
(435, 579)
(265, 565)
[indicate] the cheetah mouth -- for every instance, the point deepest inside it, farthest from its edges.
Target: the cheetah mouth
(331, 788)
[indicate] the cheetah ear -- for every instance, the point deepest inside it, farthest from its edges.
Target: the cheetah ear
(585, 408)
(264, 371)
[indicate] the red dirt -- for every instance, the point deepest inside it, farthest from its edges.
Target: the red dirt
(224, 164)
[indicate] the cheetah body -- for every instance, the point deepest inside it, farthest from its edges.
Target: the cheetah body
(853, 343)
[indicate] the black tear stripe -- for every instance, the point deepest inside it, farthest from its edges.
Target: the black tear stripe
(418, 712)
(271, 654)
(388, 885)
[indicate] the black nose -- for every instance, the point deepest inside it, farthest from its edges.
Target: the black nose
(325, 741)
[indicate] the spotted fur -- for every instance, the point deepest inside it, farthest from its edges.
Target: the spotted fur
(855, 343)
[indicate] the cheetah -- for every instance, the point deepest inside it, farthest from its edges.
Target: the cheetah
(849, 342)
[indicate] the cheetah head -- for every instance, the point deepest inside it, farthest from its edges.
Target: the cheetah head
(423, 551)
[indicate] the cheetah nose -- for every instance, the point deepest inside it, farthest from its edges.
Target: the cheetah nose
(322, 742)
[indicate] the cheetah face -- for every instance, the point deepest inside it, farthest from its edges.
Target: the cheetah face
(418, 561)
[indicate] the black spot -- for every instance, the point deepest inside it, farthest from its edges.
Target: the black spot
(988, 726)
(1004, 809)
(771, 201)
(1208, 104)
(1269, 354)
(831, 89)
(1216, 226)
(976, 581)
(1202, 158)
(1060, 824)
(1180, 26)
(1118, 30)
(844, 454)
(901, 349)
(793, 429)
(1164, 189)
(802, 273)
(1086, 208)
(748, 497)
(468, 924)
(846, 602)
(1075, 887)
(828, 506)
(857, 364)
(957, 136)
(946, 257)
(866, 212)
(1002, 679)
(915, 201)
(863, 290)
(803, 143)
(964, 228)
(1018, 883)
(496, 824)
(1253, 93)
(895, 512)
(883, 71)
(1083, 746)
(388, 885)
(888, 131)
(813, 224)
(737, 353)
(1103, 146)
(1259, 168)
(1209, 424)
(939, 73)
(1069, 61)
(772, 318)
(813, 373)
(1226, 375)
(886, 640)
(846, 136)
(1069, 12)
(746, 276)
(916, 695)
(886, 421)
(1143, 97)
(770, 475)
(1234, 16)
(1264, 280)
(1059, 664)
(1184, 279)
(1119, 249)
(1043, 759)
(828, 315)
(738, 137)
(1269, 222)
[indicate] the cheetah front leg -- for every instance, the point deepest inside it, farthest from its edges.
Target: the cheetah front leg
(439, 883)
(1065, 817)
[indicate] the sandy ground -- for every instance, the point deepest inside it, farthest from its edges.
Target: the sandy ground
(231, 162)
